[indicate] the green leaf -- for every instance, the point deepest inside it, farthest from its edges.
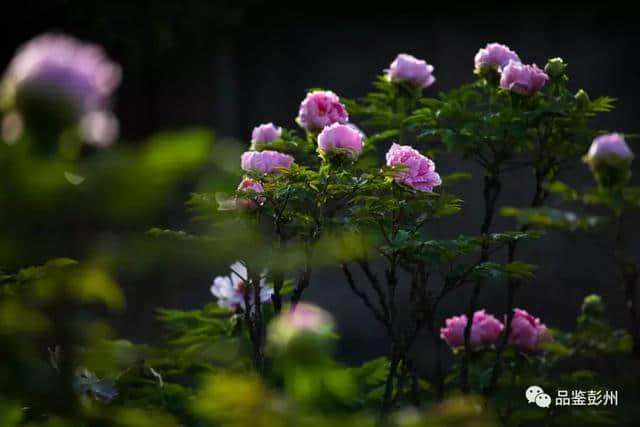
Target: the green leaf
(520, 269)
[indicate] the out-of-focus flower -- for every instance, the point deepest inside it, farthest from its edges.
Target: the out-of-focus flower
(250, 185)
(609, 158)
(527, 332)
(88, 386)
(99, 128)
(231, 290)
(340, 139)
(523, 79)
(419, 171)
(592, 305)
(265, 133)
(494, 56)
(485, 330)
(56, 68)
(320, 109)
(609, 148)
(12, 127)
(267, 161)
(408, 69)
(305, 321)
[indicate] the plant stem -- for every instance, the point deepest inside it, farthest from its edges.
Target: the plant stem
(252, 327)
(303, 280)
(539, 197)
(258, 324)
(388, 390)
(439, 378)
(629, 272)
(492, 187)
(276, 297)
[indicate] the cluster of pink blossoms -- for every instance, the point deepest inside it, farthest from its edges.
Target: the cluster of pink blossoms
(514, 75)
(323, 115)
(527, 332)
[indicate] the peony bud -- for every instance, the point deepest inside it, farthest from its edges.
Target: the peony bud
(582, 98)
(555, 67)
(609, 158)
(610, 148)
(592, 305)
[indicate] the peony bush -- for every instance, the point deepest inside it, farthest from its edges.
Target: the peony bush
(358, 190)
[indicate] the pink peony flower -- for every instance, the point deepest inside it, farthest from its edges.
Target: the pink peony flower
(406, 68)
(494, 56)
(523, 79)
(249, 184)
(231, 290)
(320, 109)
(306, 321)
(63, 69)
(485, 330)
(420, 171)
(308, 317)
(609, 147)
(266, 161)
(527, 332)
(339, 138)
(265, 133)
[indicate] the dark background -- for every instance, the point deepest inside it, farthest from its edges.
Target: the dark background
(232, 66)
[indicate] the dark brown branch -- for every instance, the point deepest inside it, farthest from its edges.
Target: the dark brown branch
(492, 188)
(363, 296)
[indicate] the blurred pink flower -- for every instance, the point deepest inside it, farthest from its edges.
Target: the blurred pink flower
(265, 133)
(527, 332)
(340, 138)
(419, 172)
(246, 185)
(320, 109)
(485, 330)
(406, 68)
(494, 56)
(523, 79)
(308, 317)
(611, 146)
(266, 161)
(63, 69)
(306, 321)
